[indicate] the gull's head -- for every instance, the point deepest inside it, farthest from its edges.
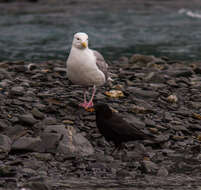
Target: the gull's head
(80, 40)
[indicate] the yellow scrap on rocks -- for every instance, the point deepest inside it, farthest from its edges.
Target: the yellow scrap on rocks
(114, 93)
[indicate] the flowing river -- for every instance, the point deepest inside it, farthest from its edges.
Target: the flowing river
(44, 30)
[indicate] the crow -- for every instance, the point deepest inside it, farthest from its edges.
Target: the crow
(114, 128)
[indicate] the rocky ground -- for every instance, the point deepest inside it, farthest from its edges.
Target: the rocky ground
(48, 142)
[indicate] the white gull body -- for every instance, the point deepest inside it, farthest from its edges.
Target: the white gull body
(86, 67)
(82, 69)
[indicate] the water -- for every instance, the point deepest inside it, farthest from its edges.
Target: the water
(39, 32)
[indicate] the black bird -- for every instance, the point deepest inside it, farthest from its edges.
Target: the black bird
(114, 128)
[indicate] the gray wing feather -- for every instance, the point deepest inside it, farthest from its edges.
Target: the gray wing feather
(101, 64)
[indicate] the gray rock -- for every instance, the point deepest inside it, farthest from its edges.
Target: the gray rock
(154, 77)
(145, 59)
(28, 144)
(42, 156)
(7, 171)
(3, 125)
(162, 138)
(37, 114)
(28, 171)
(27, 119)
(139, 93)
(50, 141)
(162, 172)
(5, 144)
(37, 186)
(60, 70)
(72, 142)
(15, 132)
(150, 167)
(180, 72)
(17, 90)
(4, 74)
(5, 83)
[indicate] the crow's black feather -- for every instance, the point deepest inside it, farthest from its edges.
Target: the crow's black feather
(114, 128)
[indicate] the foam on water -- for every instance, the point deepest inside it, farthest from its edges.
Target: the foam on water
(190, 13)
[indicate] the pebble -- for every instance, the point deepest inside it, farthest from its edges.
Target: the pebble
(17, 90)
(27, 119)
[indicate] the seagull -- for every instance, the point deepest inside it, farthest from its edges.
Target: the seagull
(114, 128)
(86, 67)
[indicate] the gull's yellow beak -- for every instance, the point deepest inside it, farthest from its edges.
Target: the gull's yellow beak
(84, 44)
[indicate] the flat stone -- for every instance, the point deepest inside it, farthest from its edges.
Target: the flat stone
(28, 144)
(162, 172)
(37, 114)
(15, 132)
(50, 142)
(17, 90)
(155, 77)
(27, 119)
(72, 142)
(5, 144)
(37, 186)
(3, 125)
(180, 72)
(150, 167)
(139, 93)
(7, 171)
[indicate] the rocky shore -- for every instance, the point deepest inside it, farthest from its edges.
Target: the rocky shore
(48, 142)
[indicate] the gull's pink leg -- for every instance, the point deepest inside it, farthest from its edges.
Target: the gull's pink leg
(84, 104)
(90, 103)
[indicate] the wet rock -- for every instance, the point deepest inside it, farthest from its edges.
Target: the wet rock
(49, 142)
(28, 172)
(150, 167)
(162, 137)
(17, 90)
(162, 172)
(122, 173)
(42, 156)
(155, 78)
(139, 93)
(4, 74)
(37, 114)
(27, 119)
(139, 109)
(3, 125)
(15, 132)
(71, 141)
(5, 144)
(7, 171)
(37, 186)
(28, 144)
(60, 70)
(5, 83)
(180, 72)
(50, 121)
(144, 59)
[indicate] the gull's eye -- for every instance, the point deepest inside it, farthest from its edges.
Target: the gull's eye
(78, 38)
